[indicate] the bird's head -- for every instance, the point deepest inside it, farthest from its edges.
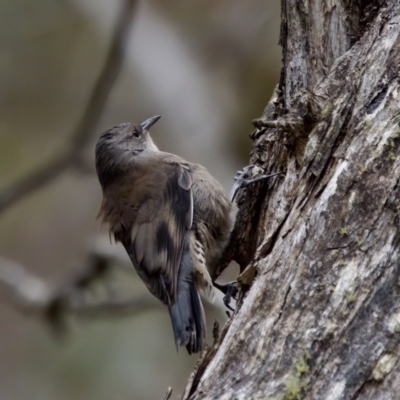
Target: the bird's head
(118, 146)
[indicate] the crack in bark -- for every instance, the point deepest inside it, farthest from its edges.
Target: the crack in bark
(377, 100)
(267, 247)
(284, 303)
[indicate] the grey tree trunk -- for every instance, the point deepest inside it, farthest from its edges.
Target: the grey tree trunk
(318, 246)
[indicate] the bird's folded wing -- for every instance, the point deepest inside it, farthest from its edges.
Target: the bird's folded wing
(159, 230)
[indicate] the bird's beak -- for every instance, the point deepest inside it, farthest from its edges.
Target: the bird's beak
(149, 122)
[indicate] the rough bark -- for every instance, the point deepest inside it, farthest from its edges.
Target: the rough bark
(321, 318)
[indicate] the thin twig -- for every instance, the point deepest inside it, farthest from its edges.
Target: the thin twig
(168, 394)
(262, 123)
(70, 152)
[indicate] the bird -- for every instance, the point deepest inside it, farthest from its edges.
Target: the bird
(172, 217)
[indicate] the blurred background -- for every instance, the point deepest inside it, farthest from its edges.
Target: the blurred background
(208, 68)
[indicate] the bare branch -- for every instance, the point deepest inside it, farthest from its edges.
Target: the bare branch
(26, 289)
(33, 295)
(117, 307)
(69, 153)
(91, 293)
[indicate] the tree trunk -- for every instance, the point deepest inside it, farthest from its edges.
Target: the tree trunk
(318, 246)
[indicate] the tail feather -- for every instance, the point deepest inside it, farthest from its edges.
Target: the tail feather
(187, 313)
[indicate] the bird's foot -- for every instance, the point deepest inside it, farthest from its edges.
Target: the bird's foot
(230, 290)
(242, 180)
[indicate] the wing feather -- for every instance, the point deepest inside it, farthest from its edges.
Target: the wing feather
(157, 235)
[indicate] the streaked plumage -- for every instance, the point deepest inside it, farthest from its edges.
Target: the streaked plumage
(171, 216)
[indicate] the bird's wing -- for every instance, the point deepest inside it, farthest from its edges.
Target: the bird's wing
(158, 232)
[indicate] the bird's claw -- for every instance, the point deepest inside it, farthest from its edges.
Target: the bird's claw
(241, 181)
(230, 291)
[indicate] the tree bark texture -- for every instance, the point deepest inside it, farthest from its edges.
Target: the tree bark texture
(318, 246)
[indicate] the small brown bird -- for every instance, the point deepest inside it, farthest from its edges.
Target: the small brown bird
(172, 217)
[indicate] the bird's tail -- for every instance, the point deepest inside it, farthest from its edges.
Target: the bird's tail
(187, 313)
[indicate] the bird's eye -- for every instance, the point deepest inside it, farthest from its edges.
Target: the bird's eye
(135, 133)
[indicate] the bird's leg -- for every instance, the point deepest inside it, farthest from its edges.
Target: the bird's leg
(241, 181)
(229, 290)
